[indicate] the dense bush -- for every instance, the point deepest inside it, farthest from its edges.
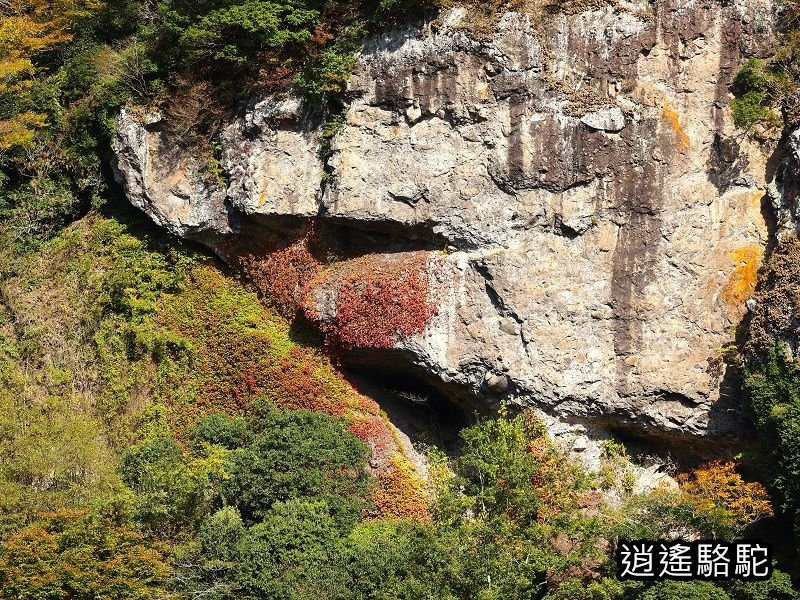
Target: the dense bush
(278, 457)
(173, 491)
(773, 391)
(766, 89)
(70, 554)
(763, 86)
(297, 454)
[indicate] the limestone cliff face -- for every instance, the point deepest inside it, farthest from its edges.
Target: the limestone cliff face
(602, 219)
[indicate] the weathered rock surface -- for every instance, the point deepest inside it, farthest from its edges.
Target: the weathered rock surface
(784, 188)
(603, 218)
(272, 157)
(166, 182)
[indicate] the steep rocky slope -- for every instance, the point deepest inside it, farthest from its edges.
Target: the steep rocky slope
(591, 222)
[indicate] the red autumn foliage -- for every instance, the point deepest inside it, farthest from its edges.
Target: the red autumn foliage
(276, 75)
(373, 430)
(281, 276)
(240, 366)
(378, 301)
(321, 36)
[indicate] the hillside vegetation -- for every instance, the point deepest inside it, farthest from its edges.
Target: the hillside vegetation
(163, 433)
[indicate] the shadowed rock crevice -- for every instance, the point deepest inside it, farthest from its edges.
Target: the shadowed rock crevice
(395, 370)
(419, 411)
(348, 238)
(636, 254)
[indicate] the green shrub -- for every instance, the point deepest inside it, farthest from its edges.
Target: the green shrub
(756, 75)
(231, 33)
(772, 389)
(327, 74)
(222, 430)
(221, 534)
(36, 211)
(156, 472)
(763, 88)
(394, 559)
(752, 108)
(777, 587)
(298, 454)
(685, 590)
(173, 491)
(287, 554)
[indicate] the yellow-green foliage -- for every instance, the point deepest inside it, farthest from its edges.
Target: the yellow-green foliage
(69, 554)
(83, 310)
(105, 334)
(103, 315)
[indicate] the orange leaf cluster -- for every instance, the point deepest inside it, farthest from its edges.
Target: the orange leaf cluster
(401, 493)
(72, 556)
(717, 486)
(553, 481)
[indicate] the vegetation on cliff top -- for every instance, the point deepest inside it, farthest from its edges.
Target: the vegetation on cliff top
(766, 89)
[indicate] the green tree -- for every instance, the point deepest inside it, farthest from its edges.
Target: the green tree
(221, 533)
(403, 560)
(231, 33)
(298, 454)
(172, 489)
(221, 430)
(287, 554)
(773, 392)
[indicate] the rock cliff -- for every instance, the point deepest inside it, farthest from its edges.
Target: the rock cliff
(590, 220)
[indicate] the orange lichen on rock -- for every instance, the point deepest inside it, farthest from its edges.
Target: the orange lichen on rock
(671, 115)
(742, 282)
